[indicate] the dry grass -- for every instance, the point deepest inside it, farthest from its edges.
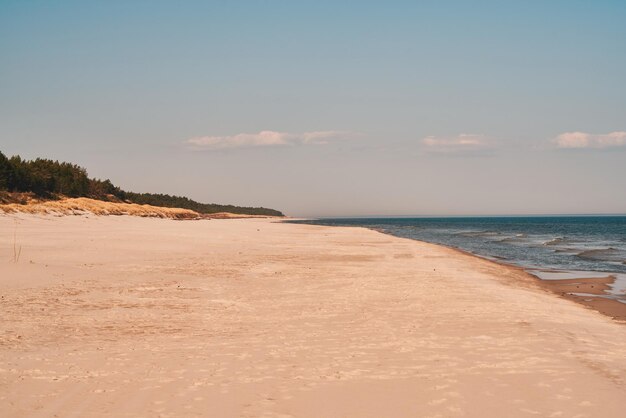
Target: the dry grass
(17, 249)
(228, 215)
(82, 205)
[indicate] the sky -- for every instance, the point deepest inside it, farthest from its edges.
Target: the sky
(328, 108)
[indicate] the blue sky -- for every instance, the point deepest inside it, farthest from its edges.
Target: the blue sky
(328, 108)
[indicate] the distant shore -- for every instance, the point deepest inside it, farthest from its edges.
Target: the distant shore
(136, 316)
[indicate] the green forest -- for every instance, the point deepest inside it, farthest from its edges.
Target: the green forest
(49, 179)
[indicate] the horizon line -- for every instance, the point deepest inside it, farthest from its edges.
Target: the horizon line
(536, 215)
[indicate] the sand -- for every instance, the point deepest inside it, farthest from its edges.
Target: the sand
(128, 316)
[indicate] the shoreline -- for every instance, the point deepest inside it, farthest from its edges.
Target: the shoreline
(131, 316)
(591, 291)
(594, 287)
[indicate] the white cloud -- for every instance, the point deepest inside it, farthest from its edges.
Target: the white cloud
(263, 139)
(456, 144)
(585, 140)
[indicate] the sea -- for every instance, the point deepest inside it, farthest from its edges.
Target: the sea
(550, 247)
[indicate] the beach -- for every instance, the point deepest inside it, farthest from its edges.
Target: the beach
(130, 316)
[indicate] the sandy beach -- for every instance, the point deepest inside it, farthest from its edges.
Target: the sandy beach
(129, 316)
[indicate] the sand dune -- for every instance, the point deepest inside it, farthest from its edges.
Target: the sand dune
(83, 205)
(129, 316)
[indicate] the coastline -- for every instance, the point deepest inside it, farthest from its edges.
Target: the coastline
(145, 316)
(593, 287)
(590, 292)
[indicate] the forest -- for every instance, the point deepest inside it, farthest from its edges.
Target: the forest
(49, 179)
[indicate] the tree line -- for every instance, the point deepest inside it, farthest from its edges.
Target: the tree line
(49, 179)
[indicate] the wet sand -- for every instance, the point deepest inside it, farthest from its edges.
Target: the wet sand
(591, 292)
(127, 316)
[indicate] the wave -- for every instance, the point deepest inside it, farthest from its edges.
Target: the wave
(604, 254)
(478, 233)
(508, 239)
(499, 257)
(567, 250)
(557, 241)
(511, 240)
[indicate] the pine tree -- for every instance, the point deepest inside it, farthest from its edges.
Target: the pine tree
(6, 173)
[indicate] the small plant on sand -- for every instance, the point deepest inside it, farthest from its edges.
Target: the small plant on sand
(17, 249)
